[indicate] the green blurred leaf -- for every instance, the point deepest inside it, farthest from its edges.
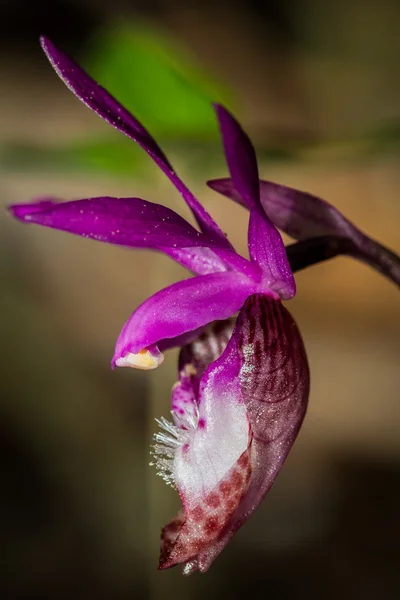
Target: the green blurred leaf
(156, 78)
(119, 157)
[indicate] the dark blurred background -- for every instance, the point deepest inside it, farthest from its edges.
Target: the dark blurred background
(316, 85)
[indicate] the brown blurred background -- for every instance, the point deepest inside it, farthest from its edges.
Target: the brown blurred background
(316, 85)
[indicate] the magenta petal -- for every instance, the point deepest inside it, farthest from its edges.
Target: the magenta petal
(240, 156)
(183, 307)
(100, 101)
(265, 244)
(136, 223)
(266, 248)
(21, 211)
(304, 216)
(297, 213)
(122, 221)
(200, 260)
(109, 109)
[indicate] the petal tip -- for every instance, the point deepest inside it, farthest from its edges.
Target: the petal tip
(220, 108)
(223, 114)
(27, 212)
(19, 211)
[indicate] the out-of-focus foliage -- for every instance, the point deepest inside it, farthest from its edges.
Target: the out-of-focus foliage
(119, 156)
(157, 79)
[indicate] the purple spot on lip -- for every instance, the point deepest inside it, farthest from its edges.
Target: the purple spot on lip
(202, 423)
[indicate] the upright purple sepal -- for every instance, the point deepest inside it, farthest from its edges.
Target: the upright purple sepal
(108, 108)
(240, 156)
(266, 247)
(101, 101)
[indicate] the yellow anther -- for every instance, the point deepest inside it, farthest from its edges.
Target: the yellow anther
(142, 360)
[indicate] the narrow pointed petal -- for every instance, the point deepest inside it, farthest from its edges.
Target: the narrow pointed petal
(123, 221)
(136, 223)
(266, 247)
(182, 308)
(240, 156)
(108, 108)
(299, 214)
(263, 370)
(304, 216)
(23, 211)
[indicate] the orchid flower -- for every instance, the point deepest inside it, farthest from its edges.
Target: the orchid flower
(243, 387)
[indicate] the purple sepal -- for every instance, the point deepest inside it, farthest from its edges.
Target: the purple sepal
(304, 216)
(266, 247)
(123, 221)
(130, 222)
(23, 211)
(240, 156)
(108, 108)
